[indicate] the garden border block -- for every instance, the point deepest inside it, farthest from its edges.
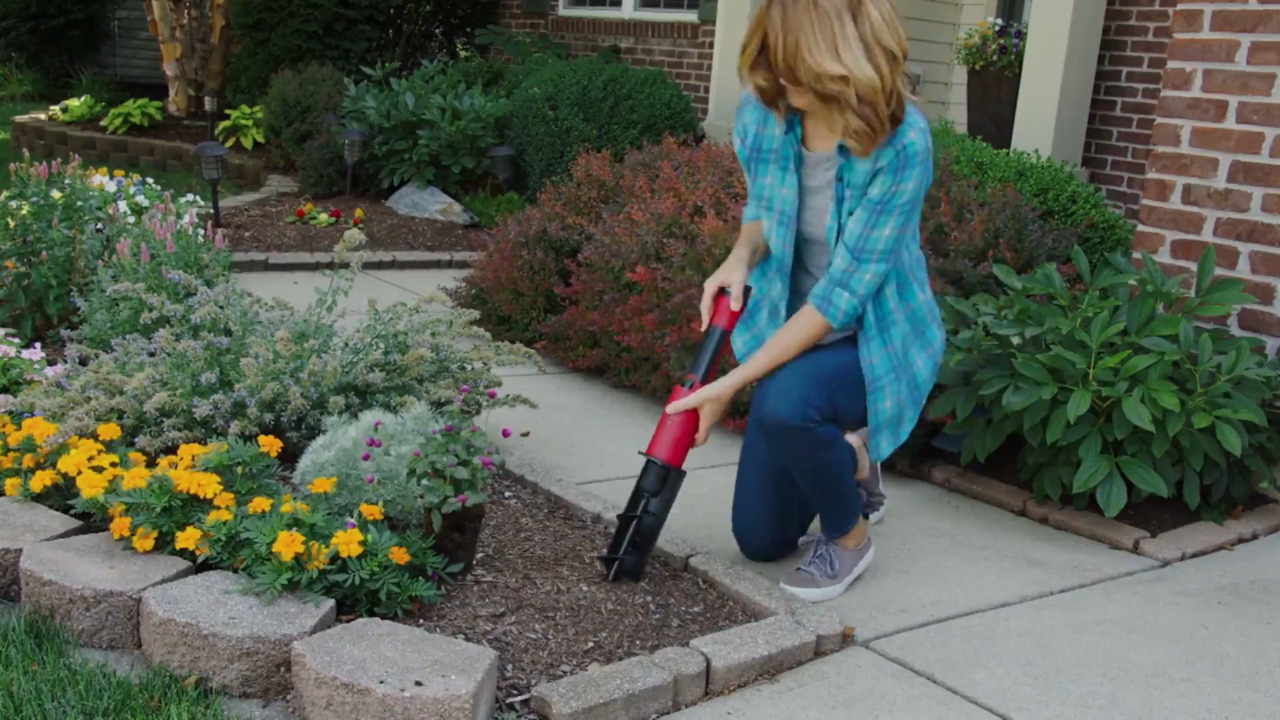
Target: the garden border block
(633, 689)
(22, 524)
(256, 262)
(742, 654)
(1175, 545)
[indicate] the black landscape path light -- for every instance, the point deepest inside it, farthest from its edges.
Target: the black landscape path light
(352, 145)
(210, 107)
(504, 165)
(211, 155)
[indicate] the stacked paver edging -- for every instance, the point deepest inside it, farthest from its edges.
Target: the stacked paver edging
(44, 138)
(255, 262)
(1184, 543)
(23, 524)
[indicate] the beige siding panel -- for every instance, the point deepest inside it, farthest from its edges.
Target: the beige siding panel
(971, 13)
(931, 30)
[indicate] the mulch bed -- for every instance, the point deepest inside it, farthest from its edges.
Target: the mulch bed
(263, 227)
(538, 597)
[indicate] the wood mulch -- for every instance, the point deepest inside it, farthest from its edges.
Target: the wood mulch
(264, 227)
(538, 596)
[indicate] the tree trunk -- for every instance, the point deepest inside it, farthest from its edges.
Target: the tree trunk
(195, 38)
(163, 23)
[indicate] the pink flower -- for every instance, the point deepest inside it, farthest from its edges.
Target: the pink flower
(169, 246)
(365, 457)
(368, 442)
(54, 370)
(369, 478)
(486, 462)
(464, 390)
(145, 254)
(122, 248)
(54, 167)
(220, 240)
(462, 499)
(506, 432)
(492, 394)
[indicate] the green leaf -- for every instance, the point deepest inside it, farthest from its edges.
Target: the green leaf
(1081, 261)
(1006, 275)
(1137, 413)
(1158, 344)
(1033, 370)
(1174, 421)
(1092, 471)
(1166, 399)
(1204, 270)
(1201, 420)
(1228, 436)
(1164, 325)
(1190, 487)
(1092, 446)
(1140, 310)
(1019, 397)
(1137, 364)
(1112, 494)
(1057, 425)
(1142, 476)
(1078, 404)
(1035, 414)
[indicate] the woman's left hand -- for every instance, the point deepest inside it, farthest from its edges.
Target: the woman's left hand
(710, 401)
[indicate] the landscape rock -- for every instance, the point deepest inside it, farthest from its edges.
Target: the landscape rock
(739, 655)
(690, 669)
(1096, 527)
(991, 492)
(1199, 538)
(763, 598)
(825, 624)
(633, 689)
(430, 203)
(24, 523)
(239, 643)
(91, 586)
(1160, 550)
(374, 668)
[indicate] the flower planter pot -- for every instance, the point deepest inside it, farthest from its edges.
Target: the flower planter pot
(992, 97)
(459, 536)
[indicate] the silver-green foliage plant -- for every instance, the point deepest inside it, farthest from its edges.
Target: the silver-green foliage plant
(339, 450)
(1118, 390)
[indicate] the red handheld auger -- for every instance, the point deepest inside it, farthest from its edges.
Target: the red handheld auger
(641, 521)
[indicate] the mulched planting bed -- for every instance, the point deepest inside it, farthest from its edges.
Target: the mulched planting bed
(538, 597)
(263, 227)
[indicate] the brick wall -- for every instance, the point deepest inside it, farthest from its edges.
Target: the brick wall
(682, 49)
(1125, 91)
(1214, 169)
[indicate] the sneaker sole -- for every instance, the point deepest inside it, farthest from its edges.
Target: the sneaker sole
(875, 517)
(817, 595)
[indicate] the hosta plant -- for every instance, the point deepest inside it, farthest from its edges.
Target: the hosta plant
(243, 125)
(77, 110)
(1118, 389)
(130, 114)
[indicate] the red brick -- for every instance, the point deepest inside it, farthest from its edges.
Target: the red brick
(1137, 107)
(1275, 148)
(1148, 241)
(1204, 49)
(1156, 62)
(1271, 204)
(1158, 189)
(1159, 17)
(1258, 113)
(1166, 134)
(1133, 137)
(1133, 167)
(1115, 121)
(1251, 319)
(1179, 79)
(1187, 21)
(1244, 172)
(1155, 47)
(1238, 82)
(1183, 221)
(1262, 52)
(1247, 231)
(1107, 179)
(1169, 163)
(1122, 91)
(1264, 263)
(1126, 61)
(1225, 256)
(1241, 142)
(1193, 108)
(1217, 198)
(1130, 30)
(1262, 291)
(1245, 21)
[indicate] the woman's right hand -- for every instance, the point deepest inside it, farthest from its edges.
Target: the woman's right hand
(732, 275)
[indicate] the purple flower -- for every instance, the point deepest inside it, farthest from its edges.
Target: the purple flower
(351, 524)
(506, 432)
(434, 431)
(417, 453)
(462, 499)
(486, 462)
(492, 394)
(364, 457)
(369, 478)
(475, 428)
(368, 442)
(377, 443)
(464, 390)
(377, 424)
(448, 428)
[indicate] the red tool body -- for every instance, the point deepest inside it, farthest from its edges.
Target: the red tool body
(641, 521)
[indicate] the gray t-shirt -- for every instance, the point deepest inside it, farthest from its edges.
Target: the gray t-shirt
(812, 255)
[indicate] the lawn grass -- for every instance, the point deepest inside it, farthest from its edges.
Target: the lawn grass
(42, 678)
(8, 153)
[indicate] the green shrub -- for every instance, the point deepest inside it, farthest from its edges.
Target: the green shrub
(493, 209)
(424, 127)
(296, 109)
(322, 173)
(53, 37)
(564, 108)
(76, 110)
(1117, 390)
(133, 113)
(1053, 189)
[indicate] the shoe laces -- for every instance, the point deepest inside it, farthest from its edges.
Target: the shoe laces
(822, 561)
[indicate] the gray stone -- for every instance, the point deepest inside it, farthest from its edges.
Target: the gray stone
(247, 198)
(421, 260)
(824, 623)
(239, 643)
(1199, 538)
(1160, 550)
(255, 709)
(248, 261)
(465, 259)
(761, 597)
(91, 585)
(739, 655)
(382, 669)
(633, 689)
(1096, 527)
(690, 669)
(24, 523)
(290, 261)
(129, 664)
(430, 203)
(281, 184)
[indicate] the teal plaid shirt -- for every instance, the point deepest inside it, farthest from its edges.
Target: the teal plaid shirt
(877, 282)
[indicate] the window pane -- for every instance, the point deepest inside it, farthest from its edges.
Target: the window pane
(593, 4)
(677, 5)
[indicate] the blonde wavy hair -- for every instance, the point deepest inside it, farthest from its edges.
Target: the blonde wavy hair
(850, 54)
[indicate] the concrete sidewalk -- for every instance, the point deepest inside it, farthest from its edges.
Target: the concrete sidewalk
(969, 611)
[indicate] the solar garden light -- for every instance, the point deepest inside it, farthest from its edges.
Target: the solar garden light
(210, 107)
(504, 165)
(211, 154)
(352, 145)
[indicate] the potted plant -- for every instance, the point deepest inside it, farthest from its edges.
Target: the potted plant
(993, 51)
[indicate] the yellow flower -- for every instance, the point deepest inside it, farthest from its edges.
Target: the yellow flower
(29, 461)
(286, 504)
(322, 485)
(117, 173)
(91, 484)
(43, 479)
(204, 485)
(108, 431)
(348, 542)
(6, 460)
(137, 459)
(188, 538)
(371, 512)
(317, 556)
(359, 214)
(309, 207)
(102, 171)
(224, 500)
(270, 445)
(217, 516)
(144, 541)
(288, 545)
(116, 510)
(121, 527)
(191, 451)
(135, 478)
(399, 555)
(12, 486)
(260, 505)
(302, 507)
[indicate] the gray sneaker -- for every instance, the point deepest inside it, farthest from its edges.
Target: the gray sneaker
(829, 570)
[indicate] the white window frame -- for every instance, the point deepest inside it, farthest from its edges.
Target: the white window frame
(628, 11)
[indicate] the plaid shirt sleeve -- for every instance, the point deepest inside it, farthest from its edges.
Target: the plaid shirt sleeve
(751, 135)
(886, 216)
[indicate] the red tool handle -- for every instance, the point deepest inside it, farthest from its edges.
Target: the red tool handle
(675, 434)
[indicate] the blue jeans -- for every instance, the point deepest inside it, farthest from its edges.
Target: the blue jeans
(795, 462)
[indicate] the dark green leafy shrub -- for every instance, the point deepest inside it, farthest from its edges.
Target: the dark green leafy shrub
(321, 169)
(1115, 388)
(564, 108)
(1061, 198)
(53, 37)
(296, 107)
